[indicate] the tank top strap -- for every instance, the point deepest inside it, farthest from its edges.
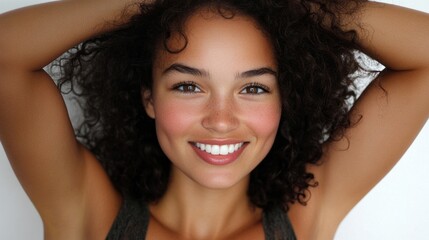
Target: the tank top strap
(132, 221)
(277, 225)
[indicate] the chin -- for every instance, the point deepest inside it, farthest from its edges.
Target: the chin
(222, 182)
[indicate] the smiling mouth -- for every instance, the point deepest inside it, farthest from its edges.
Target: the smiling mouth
(219, 149)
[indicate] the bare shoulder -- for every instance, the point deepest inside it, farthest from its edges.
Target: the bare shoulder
(93, 216)
(103, 200)
(389, 115)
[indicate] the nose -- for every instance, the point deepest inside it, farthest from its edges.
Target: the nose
(220, 115)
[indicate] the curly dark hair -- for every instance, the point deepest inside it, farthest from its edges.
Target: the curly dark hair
(317, 67)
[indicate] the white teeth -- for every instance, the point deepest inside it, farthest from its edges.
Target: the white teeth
(224, 150)
(231, 148)
(215, 150)
(219, 149)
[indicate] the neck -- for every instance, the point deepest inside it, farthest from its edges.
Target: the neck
(196, 212)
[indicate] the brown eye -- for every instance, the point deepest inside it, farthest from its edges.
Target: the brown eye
(255, 89)
(187, 87)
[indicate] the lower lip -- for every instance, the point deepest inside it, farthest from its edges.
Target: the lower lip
(218, 160)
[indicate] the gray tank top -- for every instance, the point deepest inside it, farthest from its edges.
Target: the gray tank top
(133, 220)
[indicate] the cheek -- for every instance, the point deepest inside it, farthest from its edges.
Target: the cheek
(174, 118)
(264, 120)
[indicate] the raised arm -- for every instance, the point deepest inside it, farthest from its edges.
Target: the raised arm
(32, 37)
(57, 173)
(393, 109)
(395, 36)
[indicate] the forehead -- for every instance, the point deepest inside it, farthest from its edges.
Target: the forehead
(208, 36)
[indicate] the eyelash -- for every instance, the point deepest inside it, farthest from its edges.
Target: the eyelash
(259, 86)
(180, 87)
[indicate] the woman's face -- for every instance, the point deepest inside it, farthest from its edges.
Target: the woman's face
(216, 104)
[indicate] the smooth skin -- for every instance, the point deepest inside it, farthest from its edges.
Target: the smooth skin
(75, 197)
(220, 90)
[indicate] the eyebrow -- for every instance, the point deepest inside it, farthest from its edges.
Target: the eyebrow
(203, 73)
(257, 72)
(186, 69)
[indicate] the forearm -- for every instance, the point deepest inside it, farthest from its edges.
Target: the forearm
(32, 37)
(395, 36)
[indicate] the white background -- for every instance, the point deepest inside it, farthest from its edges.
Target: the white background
(397, 208)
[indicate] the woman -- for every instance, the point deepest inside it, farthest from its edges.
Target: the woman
(248, 103)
